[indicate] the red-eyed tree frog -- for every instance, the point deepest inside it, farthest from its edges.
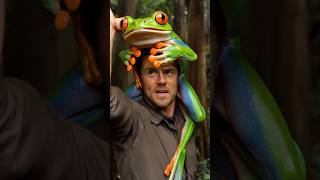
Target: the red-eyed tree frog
(156, 32)
(166, 46)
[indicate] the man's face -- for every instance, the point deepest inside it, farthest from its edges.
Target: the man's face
(159, 84)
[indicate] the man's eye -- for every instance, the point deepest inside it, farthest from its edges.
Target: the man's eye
(151, 72)
(168, 72)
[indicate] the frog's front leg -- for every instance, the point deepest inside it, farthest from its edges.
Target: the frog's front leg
(171, 50)
(128, 57)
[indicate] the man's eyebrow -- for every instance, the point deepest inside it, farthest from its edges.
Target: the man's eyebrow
(168, 68)
(150, 68)
(168, 65)
(171, 67)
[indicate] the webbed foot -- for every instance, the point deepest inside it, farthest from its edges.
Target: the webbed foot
(128, 57)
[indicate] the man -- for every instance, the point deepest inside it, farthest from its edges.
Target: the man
(147, 133)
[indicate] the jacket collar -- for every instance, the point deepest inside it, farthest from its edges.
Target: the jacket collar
(157, 114)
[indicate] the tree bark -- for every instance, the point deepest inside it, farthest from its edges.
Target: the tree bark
(33, 49)
(120, 76)
(197, 76)
(179, 18)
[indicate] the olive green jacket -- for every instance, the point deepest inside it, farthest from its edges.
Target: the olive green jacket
(144, 140)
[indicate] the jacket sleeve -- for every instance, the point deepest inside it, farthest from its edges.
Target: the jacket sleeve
(19, 140)
(35, 143)
(124, 115)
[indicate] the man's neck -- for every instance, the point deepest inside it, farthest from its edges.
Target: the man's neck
(168, 111)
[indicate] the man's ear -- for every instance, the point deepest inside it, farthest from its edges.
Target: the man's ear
(179, 89)
(179, 95)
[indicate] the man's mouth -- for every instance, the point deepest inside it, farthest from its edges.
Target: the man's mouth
(161, 91)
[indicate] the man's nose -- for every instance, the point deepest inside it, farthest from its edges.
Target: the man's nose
(161, 79)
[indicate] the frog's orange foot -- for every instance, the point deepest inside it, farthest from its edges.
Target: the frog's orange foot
(159, 60)
(62, 20)
(157, 64)
(159, 48)
(135, 53)
(164, 44)
(158, 54)
(169, 167)
(129, 66)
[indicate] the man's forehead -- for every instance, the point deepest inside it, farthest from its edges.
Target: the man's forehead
(165, 65)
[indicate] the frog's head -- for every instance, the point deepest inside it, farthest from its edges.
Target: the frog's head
(144, 32)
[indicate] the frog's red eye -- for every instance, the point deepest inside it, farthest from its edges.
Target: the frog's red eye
(124, 24)
(162, 18)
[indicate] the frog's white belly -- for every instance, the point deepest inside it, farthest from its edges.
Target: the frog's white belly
(146, 37)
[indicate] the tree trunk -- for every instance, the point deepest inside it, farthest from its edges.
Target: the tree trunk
(179, 18)
(197, 76)
(120, 76)
(33, 49)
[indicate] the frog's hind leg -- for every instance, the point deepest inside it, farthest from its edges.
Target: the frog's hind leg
(191, 100)
(255, 119)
